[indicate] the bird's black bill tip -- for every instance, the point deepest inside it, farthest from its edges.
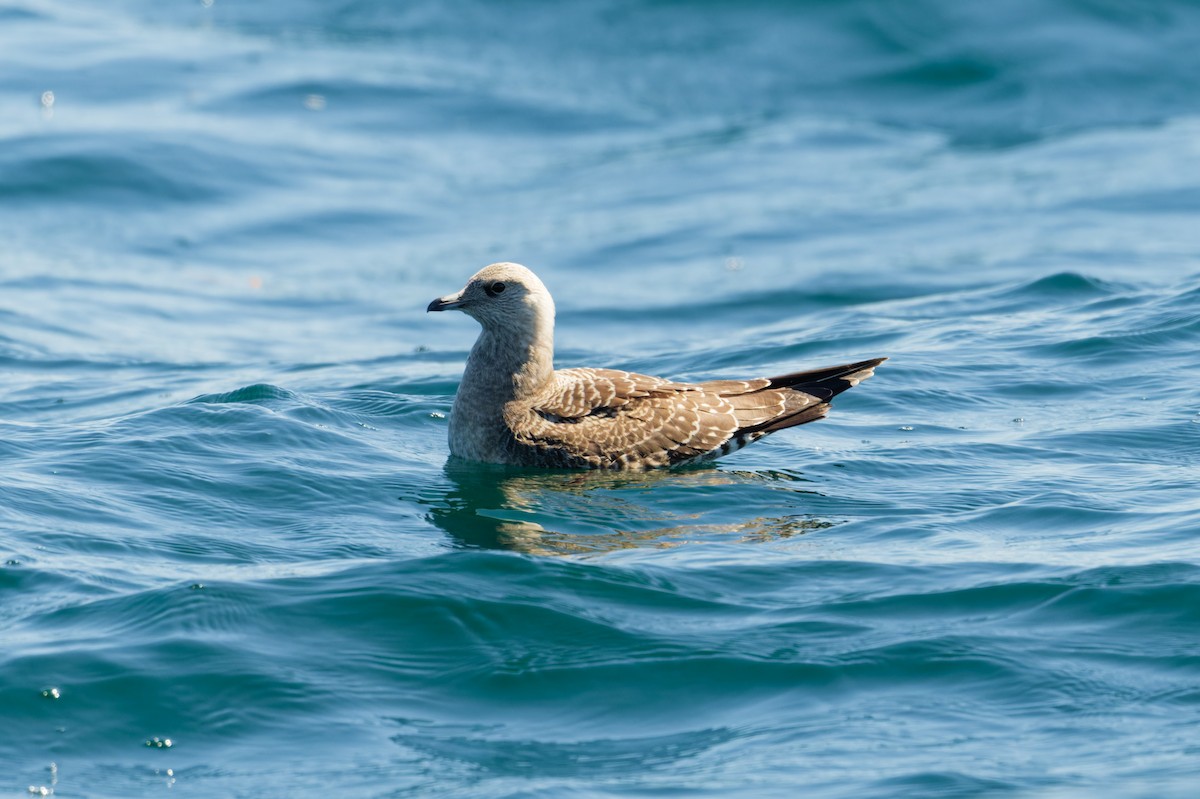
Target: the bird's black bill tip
(442, 304)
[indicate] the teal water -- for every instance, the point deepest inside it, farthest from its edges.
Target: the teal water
(234, 560)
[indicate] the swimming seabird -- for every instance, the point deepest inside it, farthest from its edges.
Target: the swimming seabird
(513, 407)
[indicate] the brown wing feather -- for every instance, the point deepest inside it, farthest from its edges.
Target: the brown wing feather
(621, 420)
(618, 419)
(579, 392)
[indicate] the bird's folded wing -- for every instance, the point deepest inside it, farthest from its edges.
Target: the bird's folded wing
(607, 416)
(577, 393)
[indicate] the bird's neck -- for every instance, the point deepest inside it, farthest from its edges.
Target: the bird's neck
(505, 365)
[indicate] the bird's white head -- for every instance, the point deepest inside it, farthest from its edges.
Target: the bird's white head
(502, 297)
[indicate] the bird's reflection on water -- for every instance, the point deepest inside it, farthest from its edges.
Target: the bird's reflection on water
(565, 513)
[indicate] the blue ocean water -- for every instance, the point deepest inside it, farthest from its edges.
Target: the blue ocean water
(235, 560)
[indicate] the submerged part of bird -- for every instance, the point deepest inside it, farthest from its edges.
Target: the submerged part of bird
(513, 407)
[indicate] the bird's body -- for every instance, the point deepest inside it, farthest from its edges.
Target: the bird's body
(513, 407)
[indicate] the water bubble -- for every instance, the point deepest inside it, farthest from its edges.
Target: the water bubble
(159, 743)
(906, 428)
(196, 586)
(437, 415)
(40, 790)
(315, 102)
(733, 264)
(1019, 420)
(47, 99)
(52, 693)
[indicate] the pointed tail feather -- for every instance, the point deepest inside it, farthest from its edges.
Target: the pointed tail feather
(820, 384)
(809, 414)
(827, 383)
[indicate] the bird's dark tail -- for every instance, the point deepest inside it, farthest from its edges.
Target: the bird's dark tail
(827, 383)
(823, 384)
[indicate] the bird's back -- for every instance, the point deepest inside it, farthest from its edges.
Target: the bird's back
(611, 419)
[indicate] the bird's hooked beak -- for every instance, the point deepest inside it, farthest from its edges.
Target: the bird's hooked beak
(447, 303)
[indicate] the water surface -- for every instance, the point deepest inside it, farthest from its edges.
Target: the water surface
(236, 560)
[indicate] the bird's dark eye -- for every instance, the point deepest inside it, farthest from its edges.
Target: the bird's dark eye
(494, 288)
